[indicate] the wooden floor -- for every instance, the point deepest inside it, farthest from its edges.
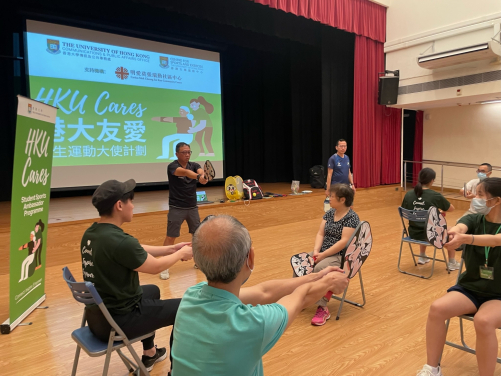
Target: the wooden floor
(386, 337)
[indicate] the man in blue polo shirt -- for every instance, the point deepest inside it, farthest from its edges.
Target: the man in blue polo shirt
(223, 329)
(338, 168)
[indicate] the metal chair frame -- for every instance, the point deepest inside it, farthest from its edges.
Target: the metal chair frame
(417, 216)
(343, 298)
(86, 293)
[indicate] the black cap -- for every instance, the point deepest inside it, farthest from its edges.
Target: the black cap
(108, 193)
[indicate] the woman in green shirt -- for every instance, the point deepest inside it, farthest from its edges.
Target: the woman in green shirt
(422, 198)
(479, 288)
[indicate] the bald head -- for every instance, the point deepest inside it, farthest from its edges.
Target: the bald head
(220, 247)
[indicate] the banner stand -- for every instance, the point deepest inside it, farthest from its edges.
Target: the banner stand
(6, 327)
(29, 216)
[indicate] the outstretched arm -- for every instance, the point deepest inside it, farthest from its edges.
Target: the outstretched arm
(185, 172)
(309, 293)
(154, 265)
(271, 291)
(163, 119)
(203, 178)
(165, 250)
(458, 236)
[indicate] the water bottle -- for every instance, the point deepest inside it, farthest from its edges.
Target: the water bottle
(327, 204)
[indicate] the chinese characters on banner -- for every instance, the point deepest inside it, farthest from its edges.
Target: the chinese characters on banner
(90, 141)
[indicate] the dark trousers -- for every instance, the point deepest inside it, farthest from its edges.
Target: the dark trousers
(150, 314)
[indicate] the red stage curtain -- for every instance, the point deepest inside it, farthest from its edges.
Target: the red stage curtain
(361, 17)
(418, 146)
(392, 122)
(368, 21)
(367, 114)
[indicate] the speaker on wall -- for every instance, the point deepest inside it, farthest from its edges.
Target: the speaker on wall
(388, 90)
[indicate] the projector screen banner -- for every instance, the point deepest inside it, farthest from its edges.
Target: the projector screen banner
(123, 109)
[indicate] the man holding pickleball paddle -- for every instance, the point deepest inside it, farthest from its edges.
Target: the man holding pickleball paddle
(183, 176)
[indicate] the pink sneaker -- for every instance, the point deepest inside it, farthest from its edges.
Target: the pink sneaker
(321, 316)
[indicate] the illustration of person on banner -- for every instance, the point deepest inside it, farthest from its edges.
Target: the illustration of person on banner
(32, 246)
(39, 228)
(183, 123)
(202, 125)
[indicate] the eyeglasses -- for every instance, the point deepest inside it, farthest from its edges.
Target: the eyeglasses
(185, 152)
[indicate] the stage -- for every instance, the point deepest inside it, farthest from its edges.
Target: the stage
(386, 337)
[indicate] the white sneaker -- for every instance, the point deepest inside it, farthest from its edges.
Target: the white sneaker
(430, 371)
(165, 274)
(423, 260)
(453, 265)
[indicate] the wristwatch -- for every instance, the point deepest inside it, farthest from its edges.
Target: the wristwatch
(198, 177)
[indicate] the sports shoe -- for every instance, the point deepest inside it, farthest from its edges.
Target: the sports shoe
(321, 316)
(423, 260)
(165, 274)
(430, 371)
(453, 264)
(149, 361)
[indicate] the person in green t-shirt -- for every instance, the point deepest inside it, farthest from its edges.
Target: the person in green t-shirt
(224, 329)
(111, 260)
(479, 289)
(422, 198)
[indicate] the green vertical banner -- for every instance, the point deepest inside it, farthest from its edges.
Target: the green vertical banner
(29, 208)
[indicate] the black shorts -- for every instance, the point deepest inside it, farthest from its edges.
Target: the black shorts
(176, 217)
(473, 296)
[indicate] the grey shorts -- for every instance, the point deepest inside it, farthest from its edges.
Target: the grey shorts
(176, 217)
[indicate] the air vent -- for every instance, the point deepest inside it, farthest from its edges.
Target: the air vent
(451, 82)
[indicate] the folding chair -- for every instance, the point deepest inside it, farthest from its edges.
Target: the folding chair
(85, 292)
(343, 299)
(469, 317)
(417, 216)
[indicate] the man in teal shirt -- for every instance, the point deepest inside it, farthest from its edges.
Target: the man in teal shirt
(223, 329)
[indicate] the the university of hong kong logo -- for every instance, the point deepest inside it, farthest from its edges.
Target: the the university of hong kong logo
(53, 46)
(122, 73)
(30, 108)
(164, 62)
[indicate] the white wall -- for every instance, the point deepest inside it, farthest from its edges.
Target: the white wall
(421, 27)
(466, 134)
(408, 18)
